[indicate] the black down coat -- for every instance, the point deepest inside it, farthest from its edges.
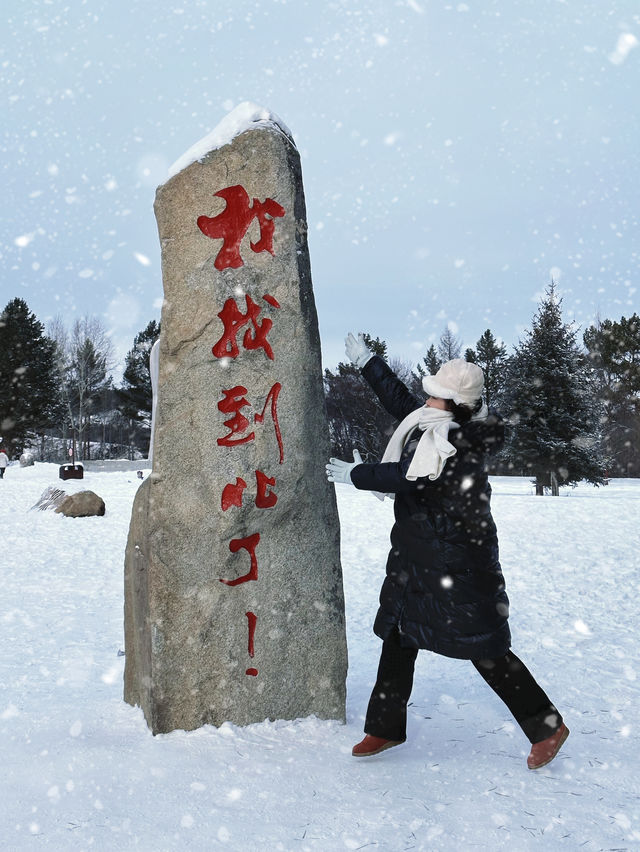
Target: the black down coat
(444, 588)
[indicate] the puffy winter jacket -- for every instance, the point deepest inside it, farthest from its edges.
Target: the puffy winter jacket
(444, 588)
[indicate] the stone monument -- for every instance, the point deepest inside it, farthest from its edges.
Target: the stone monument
(234, 606)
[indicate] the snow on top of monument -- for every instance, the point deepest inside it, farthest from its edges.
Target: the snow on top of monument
(246, 116)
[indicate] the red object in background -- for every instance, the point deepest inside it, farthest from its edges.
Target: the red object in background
(233, 320)
(232, 494)
(233, 223)
(248, 543)
(265, 499)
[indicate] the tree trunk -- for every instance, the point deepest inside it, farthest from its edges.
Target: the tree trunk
(555, 491)
(539, 488)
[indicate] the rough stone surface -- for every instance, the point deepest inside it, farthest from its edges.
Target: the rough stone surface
(82, 504)
(188, 635)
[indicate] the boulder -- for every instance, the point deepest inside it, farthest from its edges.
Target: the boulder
(234, 607)
(83, 504)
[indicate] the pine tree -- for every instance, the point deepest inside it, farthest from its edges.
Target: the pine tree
(553, 406)
(470, 355)
(135, 394)
(89, 368)
(431, 361)
(491, 357)
(614, 350)
(135, 391)
(356, 418)
(377, 346)
(29, 393)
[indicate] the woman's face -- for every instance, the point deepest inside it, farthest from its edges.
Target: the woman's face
(436, 402)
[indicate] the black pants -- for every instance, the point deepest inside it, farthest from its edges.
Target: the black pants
(507, 676)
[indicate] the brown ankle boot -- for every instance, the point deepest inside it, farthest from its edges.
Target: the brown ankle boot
(544, 752)
(373, 745)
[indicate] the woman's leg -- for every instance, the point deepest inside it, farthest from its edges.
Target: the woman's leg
(387, 710)
(513, 682)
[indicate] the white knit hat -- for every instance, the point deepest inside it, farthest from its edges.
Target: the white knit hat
(459, 380)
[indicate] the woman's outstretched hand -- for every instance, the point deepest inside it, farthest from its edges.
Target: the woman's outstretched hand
(357, 350)
(340, 471)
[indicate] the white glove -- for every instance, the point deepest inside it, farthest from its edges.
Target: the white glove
(357, 350)
(340, 471)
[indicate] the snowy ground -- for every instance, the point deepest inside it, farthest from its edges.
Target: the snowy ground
(80, 769)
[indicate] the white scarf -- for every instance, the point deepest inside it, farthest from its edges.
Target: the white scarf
(433, 448)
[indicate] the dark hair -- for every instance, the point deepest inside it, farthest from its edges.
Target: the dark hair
(463, 413)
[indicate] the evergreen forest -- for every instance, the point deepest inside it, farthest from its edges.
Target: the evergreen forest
(571, 400)
(57, 394)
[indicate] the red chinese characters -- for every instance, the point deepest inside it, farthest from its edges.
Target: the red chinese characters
(233, 223)
(248, 543)
(234, 320)
(265, 498)
(246, 328)
(233, 401)
(232, 494)
(252, 620)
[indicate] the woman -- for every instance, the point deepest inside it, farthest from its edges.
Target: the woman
(444, 590)
(4, 461)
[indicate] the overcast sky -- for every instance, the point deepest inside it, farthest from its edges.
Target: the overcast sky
(455, 155)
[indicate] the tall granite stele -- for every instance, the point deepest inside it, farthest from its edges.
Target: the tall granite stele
(234, 607)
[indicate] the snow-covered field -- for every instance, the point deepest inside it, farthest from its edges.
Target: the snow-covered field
(80, 769)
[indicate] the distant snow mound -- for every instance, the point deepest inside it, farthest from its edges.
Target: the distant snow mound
(246, 116)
